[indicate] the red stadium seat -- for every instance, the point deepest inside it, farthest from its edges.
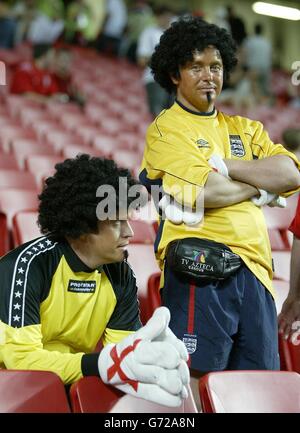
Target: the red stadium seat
(10, 133)
(22, 148)
(59, 139)
(282, 290)
(278, 240)
(153, 295)
(11, 202)
(17, 179)
(142, 259)
(8, 161)
(282, 264)
(71, 151)
(277, 218)
(32, 392)
(127, 158)
(250, 392)
(41, 165)
(143, 232)
(91, 395)
(290, 353)
(24, 227)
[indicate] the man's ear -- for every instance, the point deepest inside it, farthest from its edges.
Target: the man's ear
(175, 78)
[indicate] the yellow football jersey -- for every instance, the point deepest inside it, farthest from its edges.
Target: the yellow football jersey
(54, 309)
(179, 144)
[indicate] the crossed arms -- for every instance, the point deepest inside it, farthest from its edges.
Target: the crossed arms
(277, 174)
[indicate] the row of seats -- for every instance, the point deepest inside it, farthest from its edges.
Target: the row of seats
(220, 392)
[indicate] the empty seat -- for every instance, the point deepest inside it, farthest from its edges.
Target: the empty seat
(142, 259)
(282, 290)
(22, 148)
(72, 151)
(12, 201)
(250, 391)
(281, 264)
(24, 227)
(8, 161)
(278, 239)
(143, 232)
(91, 395)
(290, 352)
(41, 165)
(153, 294)
(17, 179)
(277, 218)
(32, 392)
(60, 139)
(126, 158)
(10, 133)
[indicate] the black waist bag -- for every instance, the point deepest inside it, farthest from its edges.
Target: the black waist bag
(201, 259)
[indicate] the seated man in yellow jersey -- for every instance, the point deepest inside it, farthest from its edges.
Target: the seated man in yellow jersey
(63, 292)
(217, 275)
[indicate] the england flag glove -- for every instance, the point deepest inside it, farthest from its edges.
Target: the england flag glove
(150, 364)
(217, 163)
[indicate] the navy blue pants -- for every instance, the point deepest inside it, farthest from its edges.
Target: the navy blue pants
(225, 325)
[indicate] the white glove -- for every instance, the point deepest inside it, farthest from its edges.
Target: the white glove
(150, 364)
(278, 201)
(268, 198)
(177, 214)
(217, 163)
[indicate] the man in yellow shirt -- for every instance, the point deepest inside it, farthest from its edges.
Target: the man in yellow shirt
(226, 319)
(64, 291)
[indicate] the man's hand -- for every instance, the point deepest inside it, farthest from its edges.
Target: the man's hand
(290, 314)
(150, 364)
(268, 198)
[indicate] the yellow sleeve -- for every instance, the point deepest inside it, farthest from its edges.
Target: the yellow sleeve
(263, 147)
(114, 336)
(174, 160)
(22, 349)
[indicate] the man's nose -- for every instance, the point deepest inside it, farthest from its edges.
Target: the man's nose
(127, 230)
(207, 74)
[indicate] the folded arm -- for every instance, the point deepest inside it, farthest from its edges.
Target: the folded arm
(220, 191)
(276, 174)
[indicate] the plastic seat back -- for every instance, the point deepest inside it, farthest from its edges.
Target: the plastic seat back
(91, 395)
(250, 391)
(32, 391)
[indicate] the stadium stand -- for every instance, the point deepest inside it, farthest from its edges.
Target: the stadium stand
(113, 124)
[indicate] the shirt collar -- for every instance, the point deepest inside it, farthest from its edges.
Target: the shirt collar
(197, 113)
(75, 263)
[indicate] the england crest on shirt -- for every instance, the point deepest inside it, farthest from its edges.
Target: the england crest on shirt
(237, 147)
(190, 342)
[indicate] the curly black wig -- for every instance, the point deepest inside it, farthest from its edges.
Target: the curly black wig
(68, 201)
(180, 41)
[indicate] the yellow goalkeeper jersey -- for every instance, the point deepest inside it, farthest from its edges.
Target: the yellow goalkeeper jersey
(179, 144)
(54, 309)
